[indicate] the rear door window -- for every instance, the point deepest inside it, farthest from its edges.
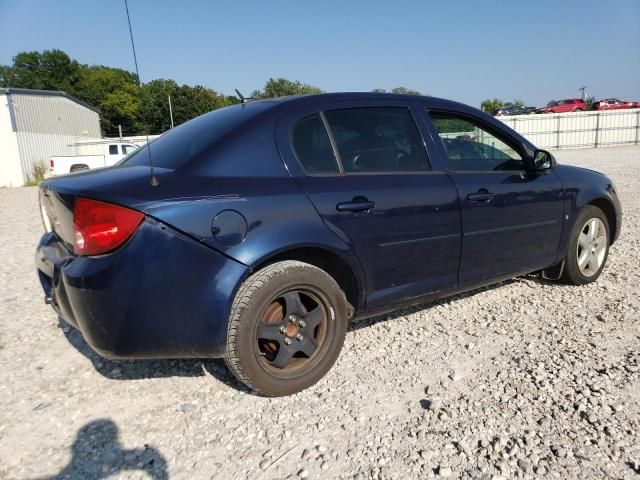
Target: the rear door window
(113, 149)
(377, 139)
(312, 147)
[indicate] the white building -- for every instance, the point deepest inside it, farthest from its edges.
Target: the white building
(38, 124)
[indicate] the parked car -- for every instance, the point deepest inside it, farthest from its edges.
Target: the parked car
(614, 104)
(111, 154)
(264, 228)
(567, 105)
(513, 110)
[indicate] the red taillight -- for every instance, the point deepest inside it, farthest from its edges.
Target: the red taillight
(100, 227)
(51, 163)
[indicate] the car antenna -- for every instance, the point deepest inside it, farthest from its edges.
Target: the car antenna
(153, 180)
(242, 98)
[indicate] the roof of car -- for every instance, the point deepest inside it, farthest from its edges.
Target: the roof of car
(295, 100)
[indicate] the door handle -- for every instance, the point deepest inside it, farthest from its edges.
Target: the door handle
(355, 206)
(480, 197)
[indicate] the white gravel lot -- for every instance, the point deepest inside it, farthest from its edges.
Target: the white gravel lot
(527, 379)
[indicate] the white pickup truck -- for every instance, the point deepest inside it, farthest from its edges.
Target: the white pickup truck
(110, 154)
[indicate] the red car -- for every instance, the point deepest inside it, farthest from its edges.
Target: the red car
(567, 105)
(614, 104)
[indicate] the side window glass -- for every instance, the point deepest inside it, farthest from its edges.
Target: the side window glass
(470, 147)
(378, 139)
(113, 149)
(311, 145)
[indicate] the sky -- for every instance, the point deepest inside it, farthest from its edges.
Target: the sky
(460, 50)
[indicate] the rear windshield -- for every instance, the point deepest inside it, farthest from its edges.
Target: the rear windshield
(182, 144)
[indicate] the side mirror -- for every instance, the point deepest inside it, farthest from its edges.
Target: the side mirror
(543, 160)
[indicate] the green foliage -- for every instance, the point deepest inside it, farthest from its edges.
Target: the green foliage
(590, 101)
(398, 90)
(186, 102)
(155, 104)
(49, 70)
(405, 91)
(114, 91)
(453, 125)
(489, 105)
(280, 87)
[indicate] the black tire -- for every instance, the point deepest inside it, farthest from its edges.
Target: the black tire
(261, 301)
(571, 273)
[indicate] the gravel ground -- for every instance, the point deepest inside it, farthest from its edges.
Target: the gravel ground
(525, 379)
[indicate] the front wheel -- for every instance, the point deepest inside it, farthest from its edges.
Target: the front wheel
(588, 247)
(286, 328)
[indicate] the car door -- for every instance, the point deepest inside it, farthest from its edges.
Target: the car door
(511, 217)
(365, 168)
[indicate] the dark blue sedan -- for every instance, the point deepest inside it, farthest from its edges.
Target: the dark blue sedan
(258, 231)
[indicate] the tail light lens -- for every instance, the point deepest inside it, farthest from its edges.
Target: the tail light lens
(100, 227)
(51, 164)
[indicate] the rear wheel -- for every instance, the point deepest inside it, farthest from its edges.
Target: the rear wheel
(286, 328)
(588, 247)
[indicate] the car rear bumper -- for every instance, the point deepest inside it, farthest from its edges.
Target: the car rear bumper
(161, 295)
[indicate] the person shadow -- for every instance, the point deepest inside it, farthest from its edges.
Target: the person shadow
(97, 453)
(145, 369)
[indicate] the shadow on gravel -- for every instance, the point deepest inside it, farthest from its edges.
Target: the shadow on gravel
(357, 325)
(97, 453)
(141, 369)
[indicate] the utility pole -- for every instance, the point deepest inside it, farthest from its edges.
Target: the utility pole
(120, 132)
(582, 89)
(170, 110)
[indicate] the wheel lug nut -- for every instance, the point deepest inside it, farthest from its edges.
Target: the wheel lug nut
(292, 319)
(283, 329)
(287, 341)
(302, 324)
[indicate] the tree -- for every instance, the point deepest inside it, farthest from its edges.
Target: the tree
(280, 87)
(398, 90)
(405, 91)
(590, 101)
(49, 70)
(489, 105)
(191, 102)
(116, 93)
(154, 110)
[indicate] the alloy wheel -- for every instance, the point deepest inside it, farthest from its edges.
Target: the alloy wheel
(291, 329)
(591, 247)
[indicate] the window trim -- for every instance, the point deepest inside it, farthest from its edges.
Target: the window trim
(336, 153)
(295, 153)
(332, 141)
(493, 130)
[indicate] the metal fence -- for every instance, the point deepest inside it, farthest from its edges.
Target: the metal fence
(579, 130)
